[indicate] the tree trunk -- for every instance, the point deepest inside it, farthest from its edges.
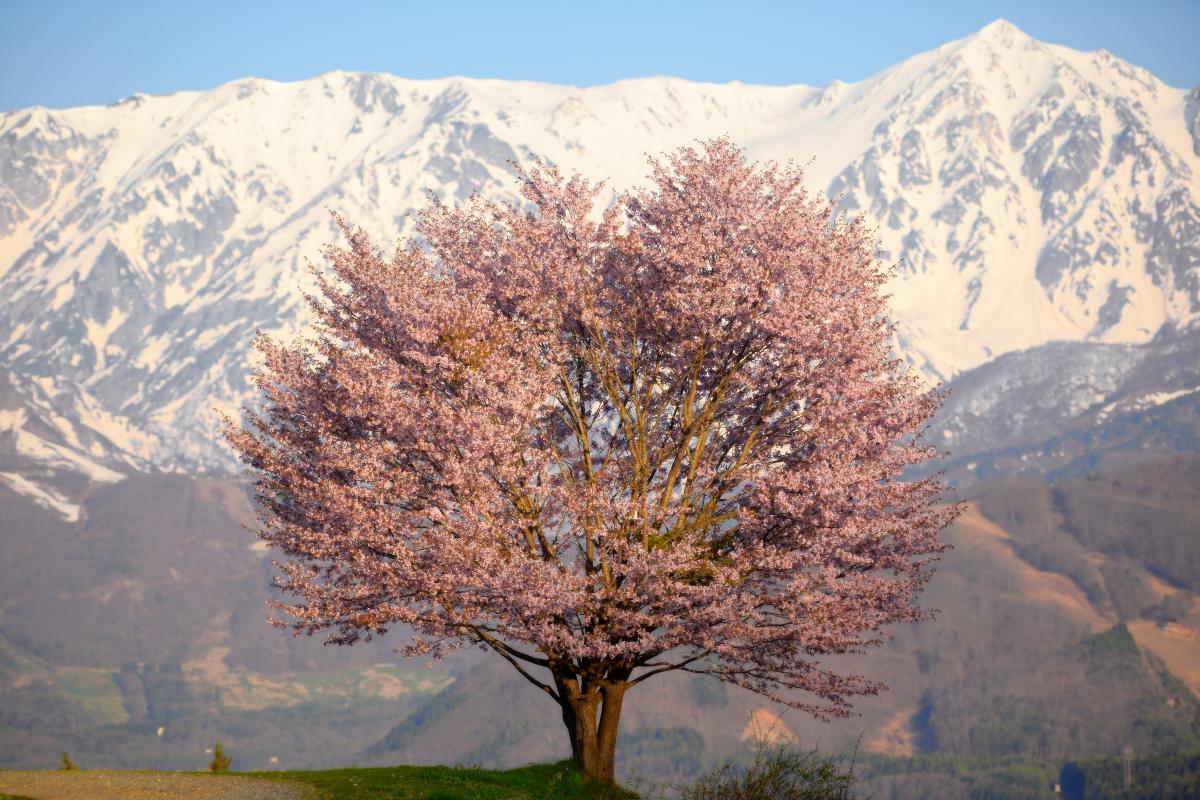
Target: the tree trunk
(592, 714)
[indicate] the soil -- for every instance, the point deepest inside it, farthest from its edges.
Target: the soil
(106, 785)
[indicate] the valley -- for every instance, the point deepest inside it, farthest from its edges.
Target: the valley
(1030, 655)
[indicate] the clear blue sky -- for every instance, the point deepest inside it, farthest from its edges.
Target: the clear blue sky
(57, 53)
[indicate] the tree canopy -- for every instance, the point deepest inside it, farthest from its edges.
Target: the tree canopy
(606, 442)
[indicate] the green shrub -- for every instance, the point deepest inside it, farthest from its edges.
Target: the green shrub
(220, 761)
(778, 772)
(1117, 639)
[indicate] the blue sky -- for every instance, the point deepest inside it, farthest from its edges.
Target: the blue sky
(59, 54)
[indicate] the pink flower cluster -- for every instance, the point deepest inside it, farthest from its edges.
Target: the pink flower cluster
(664, 435)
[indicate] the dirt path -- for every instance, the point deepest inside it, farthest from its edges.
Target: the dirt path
(123, 785)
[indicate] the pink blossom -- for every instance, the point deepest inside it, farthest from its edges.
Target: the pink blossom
(606, 444)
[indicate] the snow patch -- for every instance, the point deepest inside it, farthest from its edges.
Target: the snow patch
(43, 496)
(12, 418)
(54, 455)
(194, 213)
(98, 333)
(1142, 402)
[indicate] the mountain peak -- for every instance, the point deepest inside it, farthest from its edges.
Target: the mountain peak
(1031, 192)
(1000, 27)
(1002, 35)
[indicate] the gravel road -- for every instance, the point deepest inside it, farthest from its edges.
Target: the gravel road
(104, 785)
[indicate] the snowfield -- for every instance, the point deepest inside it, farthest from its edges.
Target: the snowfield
(1027, 193)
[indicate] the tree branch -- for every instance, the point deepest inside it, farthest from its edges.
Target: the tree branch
(510, 655)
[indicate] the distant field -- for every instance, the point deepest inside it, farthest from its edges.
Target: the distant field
(251, 691)
(95, 690)
(97, 693)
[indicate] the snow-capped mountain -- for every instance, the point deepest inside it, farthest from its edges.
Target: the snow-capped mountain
(1064, 407)
(1028, 193)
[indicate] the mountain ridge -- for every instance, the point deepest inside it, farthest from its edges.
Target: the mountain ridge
(1067, 627)
(1028, 192)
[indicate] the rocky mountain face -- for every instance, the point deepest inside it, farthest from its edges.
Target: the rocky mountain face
(1028, 193)
(1033, 194)
(1064, 407)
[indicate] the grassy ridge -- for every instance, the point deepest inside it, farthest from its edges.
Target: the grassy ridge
(561, 781)
(931, 776)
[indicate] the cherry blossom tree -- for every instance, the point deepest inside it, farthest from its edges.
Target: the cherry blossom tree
(606, 444)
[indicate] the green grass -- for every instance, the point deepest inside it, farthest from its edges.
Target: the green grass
(13, 662)
(95, 691)
(561, 781)
(1117, 638)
